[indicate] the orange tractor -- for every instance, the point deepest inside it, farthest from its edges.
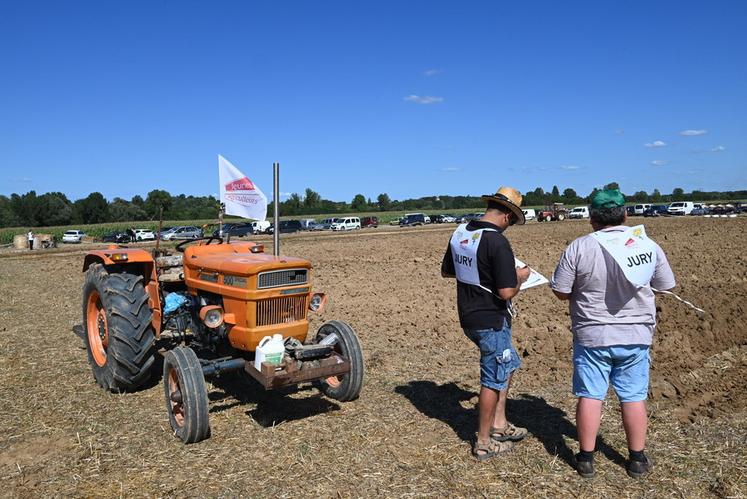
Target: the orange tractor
(206, 308)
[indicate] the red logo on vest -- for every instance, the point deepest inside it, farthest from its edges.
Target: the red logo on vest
(464, 242)
(242, 184)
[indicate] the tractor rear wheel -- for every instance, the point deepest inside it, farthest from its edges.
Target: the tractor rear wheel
(117, 327)
(347, 386)
(186, 395)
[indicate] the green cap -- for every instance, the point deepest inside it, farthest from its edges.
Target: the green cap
(608, 198)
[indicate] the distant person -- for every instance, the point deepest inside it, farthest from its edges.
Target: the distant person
(607, 278)
(481, 259)
(30, 237)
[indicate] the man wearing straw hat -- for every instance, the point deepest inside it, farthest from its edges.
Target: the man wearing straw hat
(608, 276)
(481, 260)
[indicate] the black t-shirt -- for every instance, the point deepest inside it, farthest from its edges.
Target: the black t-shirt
(479, 309)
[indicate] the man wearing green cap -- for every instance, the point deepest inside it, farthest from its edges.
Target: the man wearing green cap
(607, 277)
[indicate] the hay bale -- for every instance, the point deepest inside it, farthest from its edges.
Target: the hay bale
(20, 241)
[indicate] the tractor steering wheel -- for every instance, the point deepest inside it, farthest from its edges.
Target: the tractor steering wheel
(180, 247)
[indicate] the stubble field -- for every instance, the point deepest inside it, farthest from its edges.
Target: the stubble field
(410, 432)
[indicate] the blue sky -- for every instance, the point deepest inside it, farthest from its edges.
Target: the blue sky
(411, 98)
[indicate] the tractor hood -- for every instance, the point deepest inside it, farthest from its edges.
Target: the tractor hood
(237, 259)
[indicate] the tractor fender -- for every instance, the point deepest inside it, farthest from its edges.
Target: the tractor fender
(142, 263)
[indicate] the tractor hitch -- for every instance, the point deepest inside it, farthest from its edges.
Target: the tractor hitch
(293, 372)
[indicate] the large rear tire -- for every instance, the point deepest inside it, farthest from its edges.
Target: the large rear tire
(186, 395)
(117, 327)
(348, 386)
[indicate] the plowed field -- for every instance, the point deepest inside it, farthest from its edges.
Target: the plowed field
(409, 433)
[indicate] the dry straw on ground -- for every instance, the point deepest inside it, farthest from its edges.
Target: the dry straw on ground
(409, 433)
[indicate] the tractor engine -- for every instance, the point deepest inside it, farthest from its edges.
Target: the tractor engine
(239, 293)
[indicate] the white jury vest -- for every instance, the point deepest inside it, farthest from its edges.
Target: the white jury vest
(633, 252)
(464, 244)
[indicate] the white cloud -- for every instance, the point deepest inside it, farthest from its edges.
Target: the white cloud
(432, 72)
(660, 162)
(718, 149)
(425, 99)
(693, 133)
(451, 169)
(656, 143)
(285, 194)
(570, 167)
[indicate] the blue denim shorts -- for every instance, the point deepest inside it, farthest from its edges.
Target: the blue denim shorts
(626, 366)
(498, 358)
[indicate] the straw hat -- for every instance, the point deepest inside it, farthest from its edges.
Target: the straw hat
(511, 199)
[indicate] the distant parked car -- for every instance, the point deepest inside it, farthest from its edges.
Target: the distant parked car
(699, 210)
(681, 208)
(347, 223)
(184, 232)
(325, 224)
(463, 219)
(73, 236)
(307, 223)
(579, 212)
(657, 210)
(396, 221)
(630, 210)
(418, 216)
(369, 222)
(144, 235)
(639, 209)
(235, 230)
(116, 237)
(412, 220)
(442, 219)
(529, 214)
(286, 227)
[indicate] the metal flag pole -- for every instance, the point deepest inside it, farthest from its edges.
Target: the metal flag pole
(276, 209)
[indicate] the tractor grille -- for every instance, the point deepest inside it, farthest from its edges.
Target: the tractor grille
(281, 310)
(277, 278)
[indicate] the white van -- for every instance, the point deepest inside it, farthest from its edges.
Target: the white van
(640, 208)
(530, 214)
(681, 208)
(260, 226)
(579, 212)
(347, 223)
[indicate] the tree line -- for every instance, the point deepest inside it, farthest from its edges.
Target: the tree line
(54, 208)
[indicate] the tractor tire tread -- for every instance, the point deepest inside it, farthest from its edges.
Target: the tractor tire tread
(131, 347)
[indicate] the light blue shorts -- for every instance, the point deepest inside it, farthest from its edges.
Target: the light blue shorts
(626, 366)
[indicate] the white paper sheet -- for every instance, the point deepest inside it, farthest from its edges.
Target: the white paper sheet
(535, 278)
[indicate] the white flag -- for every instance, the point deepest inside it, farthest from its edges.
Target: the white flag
(240, 195)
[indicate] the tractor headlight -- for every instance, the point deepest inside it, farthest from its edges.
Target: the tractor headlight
(317, 302)
(212, 316)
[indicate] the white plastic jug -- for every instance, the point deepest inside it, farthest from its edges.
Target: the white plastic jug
(270, 349)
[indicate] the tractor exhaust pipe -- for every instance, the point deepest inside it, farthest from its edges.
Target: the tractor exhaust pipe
(276, 209)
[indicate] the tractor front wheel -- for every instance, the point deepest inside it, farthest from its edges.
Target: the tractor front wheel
(186, 395)
(117, 327)
(561, 217)
(347, 386)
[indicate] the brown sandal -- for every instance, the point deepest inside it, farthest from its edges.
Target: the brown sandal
(508, 433)
(485, 450)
